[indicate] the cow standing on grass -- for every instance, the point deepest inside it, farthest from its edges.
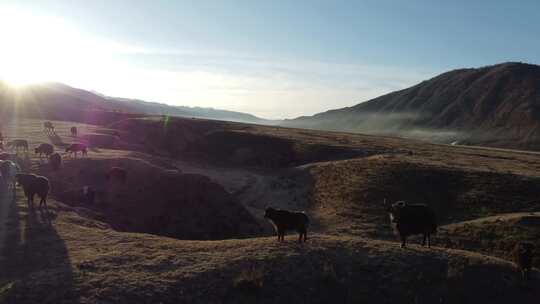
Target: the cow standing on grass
(284, 220)
(18, 144)
(523, 254)
(46, 149)
(48, 127)
(411, 219)
(34, 184)
(75, 148)
(74, 131)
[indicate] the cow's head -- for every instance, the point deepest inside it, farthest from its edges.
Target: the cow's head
(269, 213)
(394, 211)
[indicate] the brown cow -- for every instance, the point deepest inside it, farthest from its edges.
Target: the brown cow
(34, 184)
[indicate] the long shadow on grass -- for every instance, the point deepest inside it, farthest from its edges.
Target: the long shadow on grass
(36, 268)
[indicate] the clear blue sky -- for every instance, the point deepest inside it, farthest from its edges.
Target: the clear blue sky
(275, 59)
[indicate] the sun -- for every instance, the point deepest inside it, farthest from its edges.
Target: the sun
(19, 79)
(34, 48)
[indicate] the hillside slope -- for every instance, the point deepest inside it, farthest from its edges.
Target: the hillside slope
(496, 105)
(78, 260)
(62, 102)
(187, 226)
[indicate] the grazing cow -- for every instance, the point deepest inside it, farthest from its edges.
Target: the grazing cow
(9, 170)
(55, 160)
(523, 254)
(17, 144)
(284, 220)
(413, 219)
(48, 127)
(74, 148)
(34, 184)
(46, 149)
(117, 173)
(73, 131)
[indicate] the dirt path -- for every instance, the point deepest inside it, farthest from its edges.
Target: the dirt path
(255, 189)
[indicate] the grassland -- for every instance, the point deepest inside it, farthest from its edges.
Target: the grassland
(202, 239)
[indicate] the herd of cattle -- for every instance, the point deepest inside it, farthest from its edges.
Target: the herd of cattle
(409, 219)
(43, 149)
(11, 174)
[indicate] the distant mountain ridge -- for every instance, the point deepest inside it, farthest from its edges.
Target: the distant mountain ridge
(60, 101)
(496, 105)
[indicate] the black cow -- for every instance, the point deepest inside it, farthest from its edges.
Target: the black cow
(74, 148)
(411, 219)
(284, 220)
(73, 131)
(523, 253)
(46, 149)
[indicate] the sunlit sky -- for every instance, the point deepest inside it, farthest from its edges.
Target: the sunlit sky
(274, 59)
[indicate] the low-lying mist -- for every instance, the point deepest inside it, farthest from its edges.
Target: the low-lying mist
(403, 125)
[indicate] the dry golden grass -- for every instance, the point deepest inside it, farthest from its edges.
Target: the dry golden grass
(495, 235)
(81, 260)
(339, 179)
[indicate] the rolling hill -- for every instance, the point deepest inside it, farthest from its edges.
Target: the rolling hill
(496, 106)
(187, 226)
(60, 101)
